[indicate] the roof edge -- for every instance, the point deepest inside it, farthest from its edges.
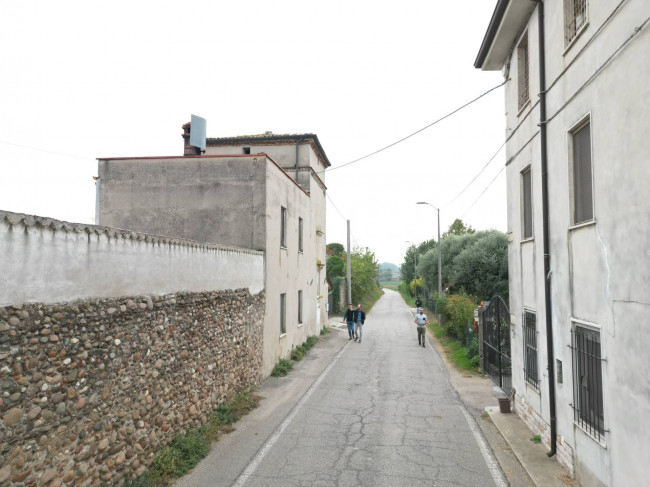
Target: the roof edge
(490, 34)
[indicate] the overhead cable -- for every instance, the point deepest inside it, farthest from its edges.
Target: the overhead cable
(418, 131)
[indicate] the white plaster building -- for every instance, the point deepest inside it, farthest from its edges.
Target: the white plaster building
(263, 192)
(597, 104)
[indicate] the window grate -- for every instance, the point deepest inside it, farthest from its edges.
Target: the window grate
(522, 67)
(583, 205)
(527, 188)
(530, 348)
(575, 17)
(587, 381)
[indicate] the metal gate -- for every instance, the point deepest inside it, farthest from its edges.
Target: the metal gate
(496, 343)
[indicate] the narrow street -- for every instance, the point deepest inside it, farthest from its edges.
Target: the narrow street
(382, 413)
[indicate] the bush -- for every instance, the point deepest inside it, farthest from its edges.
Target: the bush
(282, 368)
(458, 314)
(298, 353)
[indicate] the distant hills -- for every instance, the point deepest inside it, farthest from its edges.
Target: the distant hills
(388, 272)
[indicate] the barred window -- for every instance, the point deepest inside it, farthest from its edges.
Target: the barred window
(530, 348)
(283, 227)
(299, 307)
(583, 205)
(522, 70)
(587, 381)
(575, 18)
(527, 201)
(283, 314)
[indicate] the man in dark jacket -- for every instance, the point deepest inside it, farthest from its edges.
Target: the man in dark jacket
(349, 318)
(359, 319)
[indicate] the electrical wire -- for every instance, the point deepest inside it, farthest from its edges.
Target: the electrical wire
(475, 177)
(483, 192)
(417, 131)
(335, 207)
(46, 151)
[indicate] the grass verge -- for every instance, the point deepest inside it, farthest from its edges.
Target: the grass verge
(185, 451)
(456, 353)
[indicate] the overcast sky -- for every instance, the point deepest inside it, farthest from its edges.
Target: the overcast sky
(87, 79)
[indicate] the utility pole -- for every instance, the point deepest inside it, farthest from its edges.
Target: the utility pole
(349, 268)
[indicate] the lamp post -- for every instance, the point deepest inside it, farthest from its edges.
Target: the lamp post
(439, 261)
(415, 267)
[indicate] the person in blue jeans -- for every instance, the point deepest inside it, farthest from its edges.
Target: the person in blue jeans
(349, 318)
(359, 320)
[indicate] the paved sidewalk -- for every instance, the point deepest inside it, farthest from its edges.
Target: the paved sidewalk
(524, 462)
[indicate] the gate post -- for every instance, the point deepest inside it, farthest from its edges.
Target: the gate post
(481, 367)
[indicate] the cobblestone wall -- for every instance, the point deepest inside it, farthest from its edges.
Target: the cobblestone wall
(91, 389)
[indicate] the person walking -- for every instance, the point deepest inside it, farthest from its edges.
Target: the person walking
(421, 322)
(349, 318)
(359, 319)
(418, 304)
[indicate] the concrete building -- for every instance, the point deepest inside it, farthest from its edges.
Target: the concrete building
(577, 116)
(263, 192)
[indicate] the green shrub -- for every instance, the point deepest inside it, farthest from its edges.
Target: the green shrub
(311, 341)
(282, 368)
(297, 353)
(458, 314)
(325, 330)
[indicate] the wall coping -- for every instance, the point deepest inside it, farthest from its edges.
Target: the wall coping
(68, 227)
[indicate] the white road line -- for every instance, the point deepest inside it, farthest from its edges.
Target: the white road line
(257, 460)
(488, 456)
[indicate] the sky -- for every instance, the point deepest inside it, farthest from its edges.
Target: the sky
(88, 79)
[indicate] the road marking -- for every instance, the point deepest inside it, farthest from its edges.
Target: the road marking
(257, 460)
(488, 456)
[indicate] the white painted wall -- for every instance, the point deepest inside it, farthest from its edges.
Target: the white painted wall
(45, 260)
(288, 270)
(600, 271)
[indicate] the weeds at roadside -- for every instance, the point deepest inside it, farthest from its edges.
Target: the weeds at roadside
(185, 451)
(536, 439)
(282, 368)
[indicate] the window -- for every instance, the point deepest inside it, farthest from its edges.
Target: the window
(522, 71)
(247, 150)
(575, 18)
(300, 234)
(299, 307)
(283, 314)
(283, 227)
(583, 205)
(527, 202)
(587, 380)
(530, 348)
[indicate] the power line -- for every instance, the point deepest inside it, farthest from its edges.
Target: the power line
(331, 201)
(483, 192)
(46, 151)
(475, 177)
(418, 131)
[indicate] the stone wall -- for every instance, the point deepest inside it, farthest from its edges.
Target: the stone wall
(91, 389)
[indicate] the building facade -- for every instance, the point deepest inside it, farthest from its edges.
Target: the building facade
(593, 59)
(263, 192)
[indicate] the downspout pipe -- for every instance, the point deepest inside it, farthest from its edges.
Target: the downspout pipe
(546, 229)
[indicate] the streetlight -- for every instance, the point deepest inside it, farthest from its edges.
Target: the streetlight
(439, 262)
(415, 267)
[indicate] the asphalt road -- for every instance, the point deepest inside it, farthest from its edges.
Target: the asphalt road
(381, 413)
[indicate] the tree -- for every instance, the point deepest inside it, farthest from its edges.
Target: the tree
(481, 269)
(364, 271)
(335, 249)
(458, 228)
(336, 266)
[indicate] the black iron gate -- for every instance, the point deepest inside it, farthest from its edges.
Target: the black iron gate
(496, 343)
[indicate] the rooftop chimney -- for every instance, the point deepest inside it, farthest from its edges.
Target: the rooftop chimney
(189, 150)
